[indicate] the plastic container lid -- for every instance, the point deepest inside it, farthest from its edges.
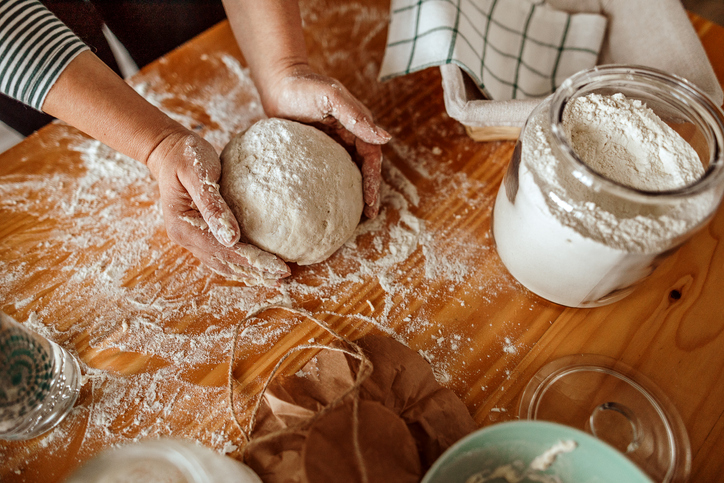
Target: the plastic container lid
(618, 405)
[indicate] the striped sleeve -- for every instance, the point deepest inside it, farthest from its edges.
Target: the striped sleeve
(35, 47)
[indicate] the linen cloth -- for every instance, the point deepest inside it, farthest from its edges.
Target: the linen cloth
(652, 33)
(513, 49)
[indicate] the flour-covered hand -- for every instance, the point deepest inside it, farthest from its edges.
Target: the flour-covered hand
(196, 216)
(303, 95)
(91, 97)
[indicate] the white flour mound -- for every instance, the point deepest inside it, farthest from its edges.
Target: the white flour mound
(294, 190)
(628, 143)
(625, 141)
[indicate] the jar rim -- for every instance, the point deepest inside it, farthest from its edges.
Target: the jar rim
(655, 79)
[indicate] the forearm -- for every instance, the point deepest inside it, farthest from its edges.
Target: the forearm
(91, 97)
(45, 65)
(88, 95)
(270, 35)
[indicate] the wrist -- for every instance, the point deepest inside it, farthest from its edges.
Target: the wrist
(172, 139)
(273, 83)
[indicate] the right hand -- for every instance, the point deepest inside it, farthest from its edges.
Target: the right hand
(196, 216)
(300, 94)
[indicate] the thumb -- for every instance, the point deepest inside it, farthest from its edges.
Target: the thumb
(216, 213)
(201, 184)
(356, 118)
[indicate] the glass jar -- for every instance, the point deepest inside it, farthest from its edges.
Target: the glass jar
(579, 238)
(39, 382)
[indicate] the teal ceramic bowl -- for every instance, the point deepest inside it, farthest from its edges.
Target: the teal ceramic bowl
(518, 443)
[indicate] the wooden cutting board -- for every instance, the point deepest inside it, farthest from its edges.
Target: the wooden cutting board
(84, 259)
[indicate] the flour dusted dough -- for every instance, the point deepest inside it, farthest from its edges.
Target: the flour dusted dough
(294, 190)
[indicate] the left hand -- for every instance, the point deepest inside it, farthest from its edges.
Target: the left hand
(196, 216)
(303, 95)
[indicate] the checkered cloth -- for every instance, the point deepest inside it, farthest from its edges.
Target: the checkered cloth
(513, 49)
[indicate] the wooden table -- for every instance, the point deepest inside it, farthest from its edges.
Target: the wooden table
(84, 259)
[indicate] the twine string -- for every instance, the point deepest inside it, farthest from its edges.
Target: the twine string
(363, 372)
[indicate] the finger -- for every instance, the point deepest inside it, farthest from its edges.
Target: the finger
(353, 115)
(201, 184)
(235, 271)
(369, 157)
(240, 261)
(239, 273)
(371, 169)
(216, 212)
(256, 259)
(247, 275)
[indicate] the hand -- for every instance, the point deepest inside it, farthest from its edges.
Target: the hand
(303, 95)
(91, 97)
(187, 169)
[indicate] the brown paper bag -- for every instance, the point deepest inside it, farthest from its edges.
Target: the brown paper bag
(391, 427)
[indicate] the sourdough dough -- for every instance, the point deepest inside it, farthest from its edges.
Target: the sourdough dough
(294, 190)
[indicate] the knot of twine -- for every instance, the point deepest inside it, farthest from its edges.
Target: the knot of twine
(363, 372)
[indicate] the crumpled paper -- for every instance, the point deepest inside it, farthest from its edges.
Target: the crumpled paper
(405, 419)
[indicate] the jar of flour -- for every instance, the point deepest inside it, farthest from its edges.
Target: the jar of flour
(611, 173)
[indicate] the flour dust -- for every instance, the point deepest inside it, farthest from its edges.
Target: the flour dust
(106, 241)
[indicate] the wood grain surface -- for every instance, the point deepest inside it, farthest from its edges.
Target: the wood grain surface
(84, 260)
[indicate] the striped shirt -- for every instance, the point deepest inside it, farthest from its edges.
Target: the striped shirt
(35, 47)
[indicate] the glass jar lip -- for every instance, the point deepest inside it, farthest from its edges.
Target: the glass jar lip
(714, 173)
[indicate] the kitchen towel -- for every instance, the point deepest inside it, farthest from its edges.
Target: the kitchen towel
(651, 33)
(513, 49)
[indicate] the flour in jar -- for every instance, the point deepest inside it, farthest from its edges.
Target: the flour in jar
(628, 143)
(576, 244)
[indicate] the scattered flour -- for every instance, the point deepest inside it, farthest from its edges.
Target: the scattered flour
(98, 282)
(509, 347)
(516, 471)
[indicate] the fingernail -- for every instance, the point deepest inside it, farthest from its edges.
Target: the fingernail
(225, 235)
(383, 133)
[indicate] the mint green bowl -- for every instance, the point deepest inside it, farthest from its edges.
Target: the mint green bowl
(520, 442)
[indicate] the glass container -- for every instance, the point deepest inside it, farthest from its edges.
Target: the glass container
(39, 382)
(579, 238)
(618, 405)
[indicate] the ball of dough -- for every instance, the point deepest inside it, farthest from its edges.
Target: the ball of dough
(294, 190)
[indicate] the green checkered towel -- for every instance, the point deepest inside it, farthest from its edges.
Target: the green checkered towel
(513, 49)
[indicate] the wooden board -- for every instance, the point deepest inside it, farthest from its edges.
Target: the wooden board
(84, 259)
